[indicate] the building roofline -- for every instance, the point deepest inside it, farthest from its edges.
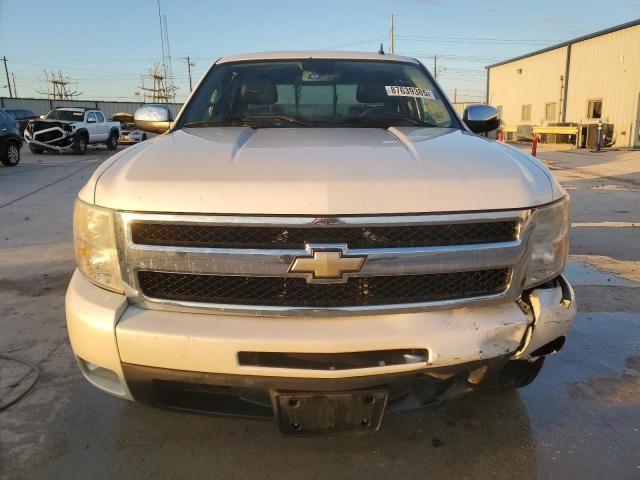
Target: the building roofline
(589, 36)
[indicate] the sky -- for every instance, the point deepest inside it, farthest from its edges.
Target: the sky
(104, 47)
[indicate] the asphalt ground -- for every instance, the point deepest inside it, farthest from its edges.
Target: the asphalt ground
(579, 419)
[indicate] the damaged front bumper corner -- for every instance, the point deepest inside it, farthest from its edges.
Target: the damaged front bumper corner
(552, 308)
(58, 137)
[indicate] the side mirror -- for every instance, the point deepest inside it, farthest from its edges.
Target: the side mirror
(91, 120)
(481, 118)
(153, 118)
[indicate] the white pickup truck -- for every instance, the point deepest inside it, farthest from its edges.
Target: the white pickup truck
(317, 238)
(71, 129)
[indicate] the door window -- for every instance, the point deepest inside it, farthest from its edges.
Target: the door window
(594, 109)
(100, 117)
(550, 111)
(91, 116)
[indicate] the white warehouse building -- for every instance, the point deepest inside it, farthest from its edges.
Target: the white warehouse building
(562, 92)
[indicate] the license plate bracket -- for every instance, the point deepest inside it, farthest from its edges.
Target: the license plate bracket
(320, 413)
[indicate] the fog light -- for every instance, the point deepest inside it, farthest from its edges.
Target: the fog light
(101, 377)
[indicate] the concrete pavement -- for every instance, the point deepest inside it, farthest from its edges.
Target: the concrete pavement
(579, 419)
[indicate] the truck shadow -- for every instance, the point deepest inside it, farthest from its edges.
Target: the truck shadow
(481, 435)
(478, 436)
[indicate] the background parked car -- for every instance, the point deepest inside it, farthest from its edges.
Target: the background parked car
(10, 140)
(129, 133)
(22, 117)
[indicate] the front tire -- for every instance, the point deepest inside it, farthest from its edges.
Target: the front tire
(112, 142)
(11, 155)
(80, 145)
(35, 149)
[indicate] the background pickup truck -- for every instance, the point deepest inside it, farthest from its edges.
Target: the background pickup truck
(64, 129)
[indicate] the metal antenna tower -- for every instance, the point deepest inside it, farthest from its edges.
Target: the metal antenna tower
(59, 87)
(162, 91)
(166, 67)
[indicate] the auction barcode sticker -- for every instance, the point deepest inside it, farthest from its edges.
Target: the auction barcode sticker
(398, 91)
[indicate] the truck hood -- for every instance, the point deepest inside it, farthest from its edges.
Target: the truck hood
(320, 171)
(52, 121)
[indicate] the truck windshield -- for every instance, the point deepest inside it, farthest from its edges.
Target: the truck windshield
(318, 93)
(68, 115)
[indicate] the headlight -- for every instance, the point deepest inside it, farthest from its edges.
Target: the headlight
(95, 246)
(550, 243)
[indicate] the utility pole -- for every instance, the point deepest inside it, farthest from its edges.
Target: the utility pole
(392, 37)
(6, 71)
(189, 65)
(15, 90)
(435, 66)
(455, 95)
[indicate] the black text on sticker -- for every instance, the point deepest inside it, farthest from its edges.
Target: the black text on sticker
(398, 91)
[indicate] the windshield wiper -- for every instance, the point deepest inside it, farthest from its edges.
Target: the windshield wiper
(286, 118)
(387, 121)
(214, 123)
(245, 121)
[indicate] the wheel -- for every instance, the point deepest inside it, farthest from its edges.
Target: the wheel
(112, 142)
(11, 155)
(80, 145)
(35, 149)
(515, 374)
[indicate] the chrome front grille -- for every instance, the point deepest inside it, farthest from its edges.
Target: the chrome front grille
(243, 264)
(296, 237)
(296, 292)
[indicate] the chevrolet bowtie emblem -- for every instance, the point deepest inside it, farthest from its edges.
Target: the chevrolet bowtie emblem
(327, 265)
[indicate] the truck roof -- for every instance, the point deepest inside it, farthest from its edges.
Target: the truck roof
(75, 109)
(290, 55)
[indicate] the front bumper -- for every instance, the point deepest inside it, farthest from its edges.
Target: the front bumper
(63, 143)
(136, 353)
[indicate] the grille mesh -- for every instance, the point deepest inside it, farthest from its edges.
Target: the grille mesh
(296, 292)
(189, 235)
(49, 136)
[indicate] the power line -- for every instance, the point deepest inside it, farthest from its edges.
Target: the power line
(536, 40)
(457, 58)
(470, 40)
(353, 44)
